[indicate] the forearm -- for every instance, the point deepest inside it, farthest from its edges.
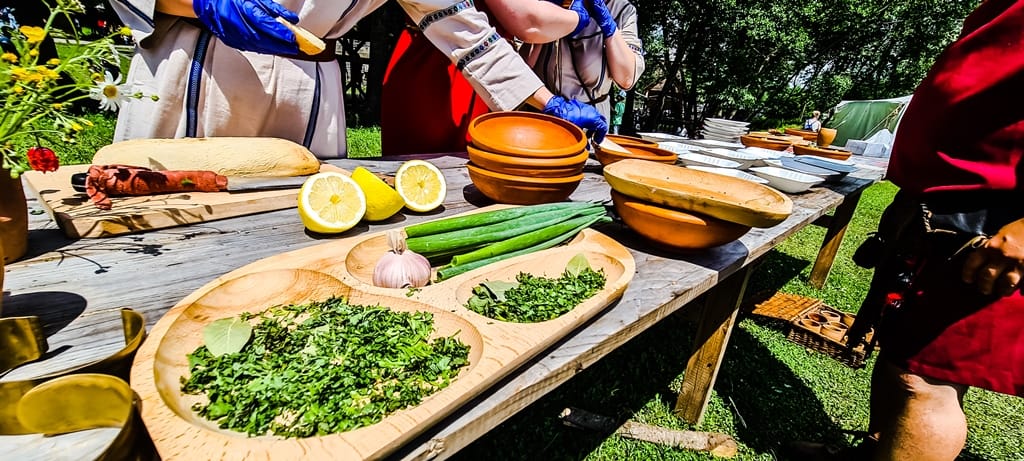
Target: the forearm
(621, 61)
(534, 21)
(181, 8)
(539, 99)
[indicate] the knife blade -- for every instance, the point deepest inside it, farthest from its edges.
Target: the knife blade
(235, 183)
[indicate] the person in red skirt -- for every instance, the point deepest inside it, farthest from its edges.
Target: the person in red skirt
(955, 312)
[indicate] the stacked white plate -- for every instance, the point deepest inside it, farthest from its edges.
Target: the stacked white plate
(678, 147)
(661, 137)
(721, 129)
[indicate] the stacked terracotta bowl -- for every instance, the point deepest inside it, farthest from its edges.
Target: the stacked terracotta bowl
(806, 135)
(686, 209)
(772, 142)
(525, 158)
(637, 148)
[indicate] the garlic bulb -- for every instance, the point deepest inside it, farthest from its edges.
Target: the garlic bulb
(399, 267)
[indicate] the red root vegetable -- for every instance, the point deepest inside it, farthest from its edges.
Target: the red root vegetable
(108, 181)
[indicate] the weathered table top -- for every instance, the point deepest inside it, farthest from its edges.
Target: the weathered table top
(77, 287)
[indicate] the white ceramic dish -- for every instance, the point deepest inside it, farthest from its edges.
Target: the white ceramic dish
(731, 172)
(845, 166)
(715, 143)
(724, 121)
(659, 137)
(788, 181)
(745, 160)
(678, 147)
(765, 153)
(693, 158)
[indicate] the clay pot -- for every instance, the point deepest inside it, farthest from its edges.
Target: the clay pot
(826, 136)
(834, 331)
(556, 167)
(827, 152)
(522, 190)
(809, 324)
(674, 228)
(13, 217)
(637, 151)
(630, 140)
(526, 134)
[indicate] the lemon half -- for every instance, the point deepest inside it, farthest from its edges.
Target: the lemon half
(331, 202)
(421, 185)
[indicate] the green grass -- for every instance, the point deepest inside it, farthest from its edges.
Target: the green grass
(768, 391)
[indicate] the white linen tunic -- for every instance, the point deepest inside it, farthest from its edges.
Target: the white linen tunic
(578, 68)
(207, 88)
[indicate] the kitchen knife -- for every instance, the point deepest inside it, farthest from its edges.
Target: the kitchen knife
(234, 184)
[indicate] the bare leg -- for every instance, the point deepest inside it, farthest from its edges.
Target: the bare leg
(919, 418)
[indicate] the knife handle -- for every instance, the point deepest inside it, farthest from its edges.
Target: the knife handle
(78, 181)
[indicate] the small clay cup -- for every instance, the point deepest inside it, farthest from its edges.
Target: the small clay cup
(848, 319)
(816, 317)
(834, 331)
(830, 315)
(809, 324)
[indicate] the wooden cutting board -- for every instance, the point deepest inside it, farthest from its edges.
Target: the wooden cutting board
(345, 267)
(76, 215)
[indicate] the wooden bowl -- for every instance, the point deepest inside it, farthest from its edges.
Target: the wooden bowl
(637, 151)
(674, 228)
(827, 152)
(723, 197)
(526, 134)
(766, 142)
(630, 140)
(806, 135)
(826, 136)
(556, 167)
(522, 190)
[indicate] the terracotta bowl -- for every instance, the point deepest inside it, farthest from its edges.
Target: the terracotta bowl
(522, 190)
(637, 151)
(630, 140)
(674, 228)
(526, 134)
(807, 135)
(556, 167)
(827, 152)
(766, 142)
(826, 136)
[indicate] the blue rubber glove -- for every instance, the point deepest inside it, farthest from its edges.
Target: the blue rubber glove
(578, 7)
(580, 114)
(249, 24)
(603, 17)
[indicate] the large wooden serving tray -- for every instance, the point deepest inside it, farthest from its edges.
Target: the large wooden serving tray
(345, 267)
(77, 217)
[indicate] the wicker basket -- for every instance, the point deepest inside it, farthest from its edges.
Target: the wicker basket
(793, 308)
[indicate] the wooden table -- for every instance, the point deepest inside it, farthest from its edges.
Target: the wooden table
(78, 286)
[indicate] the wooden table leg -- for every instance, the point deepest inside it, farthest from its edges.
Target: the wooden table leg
(717, 317)
(833, 238)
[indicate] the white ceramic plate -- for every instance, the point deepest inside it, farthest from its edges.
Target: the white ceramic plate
(712, 142)
(744, 159)
(724, 121)
(658, 137)
(678, 147)
(789, 181)
(731, 172)
(693, 158)
(766, 153)
(723, 131)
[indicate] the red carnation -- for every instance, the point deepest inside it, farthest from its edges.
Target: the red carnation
(42, 159)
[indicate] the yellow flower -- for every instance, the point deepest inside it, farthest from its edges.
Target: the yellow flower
(9, 57)
(76, 127)
(96, 77)
(53, 62)
(57, 106)
(23, 74)
(125, 31)
(45, 73)
(18, 89)
(33, 34)
(33, 52)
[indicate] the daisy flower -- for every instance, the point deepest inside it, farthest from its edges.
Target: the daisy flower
(109, 92)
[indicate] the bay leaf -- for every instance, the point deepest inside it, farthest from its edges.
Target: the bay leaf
(226, 336)
(498, 288)
(577, 264)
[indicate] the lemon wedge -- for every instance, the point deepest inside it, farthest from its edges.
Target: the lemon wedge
(382, 202)
(331, 202)
(421, 185)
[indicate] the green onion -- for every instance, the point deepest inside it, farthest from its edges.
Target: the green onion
(489, 217)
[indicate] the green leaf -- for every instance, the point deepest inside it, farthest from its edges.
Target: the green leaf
(226, 336)
(498, 288)
(577, 265)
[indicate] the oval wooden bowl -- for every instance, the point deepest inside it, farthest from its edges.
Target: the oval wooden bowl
(723, 197)
(806, 135)
(522, 190)
(526, 134)
(828, 152)
(630, 140)
(826, 136)
(674, 228)
(556, 167)
(766, 142)
(637, 151)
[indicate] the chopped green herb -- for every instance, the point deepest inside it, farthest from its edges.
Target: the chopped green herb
(536, 299)
(323, 367)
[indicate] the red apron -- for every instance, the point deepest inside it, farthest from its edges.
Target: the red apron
(964, 130)
(426, 103)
